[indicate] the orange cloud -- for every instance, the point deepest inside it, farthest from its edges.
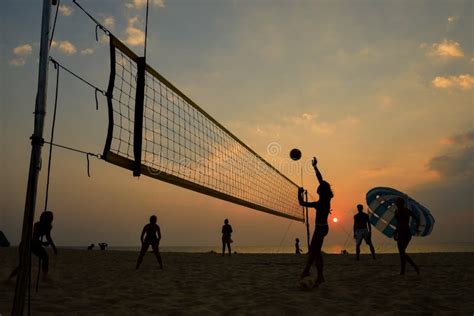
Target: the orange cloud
(446, 49)
(464, 82)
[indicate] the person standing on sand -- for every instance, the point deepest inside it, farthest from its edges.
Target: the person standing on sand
(151, 236)
(323, 208)
(226, 236)
(403, 234)
(41, 228)
(298, 250)
(362, 231)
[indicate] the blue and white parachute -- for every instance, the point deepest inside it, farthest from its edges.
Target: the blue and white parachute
(381, 202)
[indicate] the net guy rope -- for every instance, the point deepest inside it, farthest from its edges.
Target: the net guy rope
(156, 130)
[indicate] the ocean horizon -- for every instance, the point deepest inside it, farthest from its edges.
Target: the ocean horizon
(385, 248)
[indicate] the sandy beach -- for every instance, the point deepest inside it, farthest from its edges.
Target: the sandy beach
(106, 283)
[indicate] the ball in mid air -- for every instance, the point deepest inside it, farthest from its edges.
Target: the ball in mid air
(295, 154)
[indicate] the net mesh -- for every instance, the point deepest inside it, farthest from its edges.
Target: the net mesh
(183, 145)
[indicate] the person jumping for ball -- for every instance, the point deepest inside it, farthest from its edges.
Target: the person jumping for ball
(323, 208)
(152, 238)
(362, 231)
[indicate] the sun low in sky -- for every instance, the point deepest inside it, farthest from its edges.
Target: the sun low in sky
(380, 91)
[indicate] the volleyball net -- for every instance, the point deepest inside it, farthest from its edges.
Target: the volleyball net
(156, 130)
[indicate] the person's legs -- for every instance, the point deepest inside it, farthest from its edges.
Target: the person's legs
(42, 254)
(368, 241)
(402, 245)
(358, 242)
(319, 258)
(223, 246)
(156, 250)
(228, 246)
(315, 254)
(142, 254)
(311, 256)
(409, 260)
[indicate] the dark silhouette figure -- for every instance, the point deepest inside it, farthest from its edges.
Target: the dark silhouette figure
(298, 250)
(362, 231)
(403, 234)
(103, 245)
(90, 247)
(152, 238)
(41, 228)
(323, 208)
(226, 236)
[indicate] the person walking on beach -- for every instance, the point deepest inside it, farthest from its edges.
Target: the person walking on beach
(151, 236)
(42, 228)
(323, 208)
(298, 250)
(226, 236)
(362, 231)
(403, 234)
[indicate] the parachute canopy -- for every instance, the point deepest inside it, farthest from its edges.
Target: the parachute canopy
(381, 202)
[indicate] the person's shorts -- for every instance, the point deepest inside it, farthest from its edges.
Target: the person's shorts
(362, 234)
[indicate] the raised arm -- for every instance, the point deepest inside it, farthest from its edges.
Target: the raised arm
(302, 201)
(316, 170)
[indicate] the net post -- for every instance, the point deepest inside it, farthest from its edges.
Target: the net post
(22, 281)
(138, 124)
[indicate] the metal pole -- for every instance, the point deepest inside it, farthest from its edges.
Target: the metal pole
(307, 219)
(35, 165)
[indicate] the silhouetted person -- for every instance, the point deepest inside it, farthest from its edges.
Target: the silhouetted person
(362, 231)
(41, 228)
(226, 236)
(403, 234)
(102, 245)
(323, 208)
(151, 236)
(298, 250)
(90, 247)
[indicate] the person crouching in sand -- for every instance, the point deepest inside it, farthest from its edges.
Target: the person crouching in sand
(323, 208)
(152, 238)
(42, 228)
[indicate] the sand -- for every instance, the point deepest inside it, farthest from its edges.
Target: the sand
(106, 283)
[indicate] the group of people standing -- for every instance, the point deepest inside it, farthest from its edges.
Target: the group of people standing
(362, 228)
(151, 233)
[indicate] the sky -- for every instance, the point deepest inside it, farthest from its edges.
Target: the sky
(380, 91)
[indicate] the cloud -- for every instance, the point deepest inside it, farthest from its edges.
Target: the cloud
(464, 82)
(450, 197)
(445, 49)
(87, 51)
(65, 10)
(109, 22)
(17, 62)
(64, 47)
(138, 4)
(135, 36)
(23, 50)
